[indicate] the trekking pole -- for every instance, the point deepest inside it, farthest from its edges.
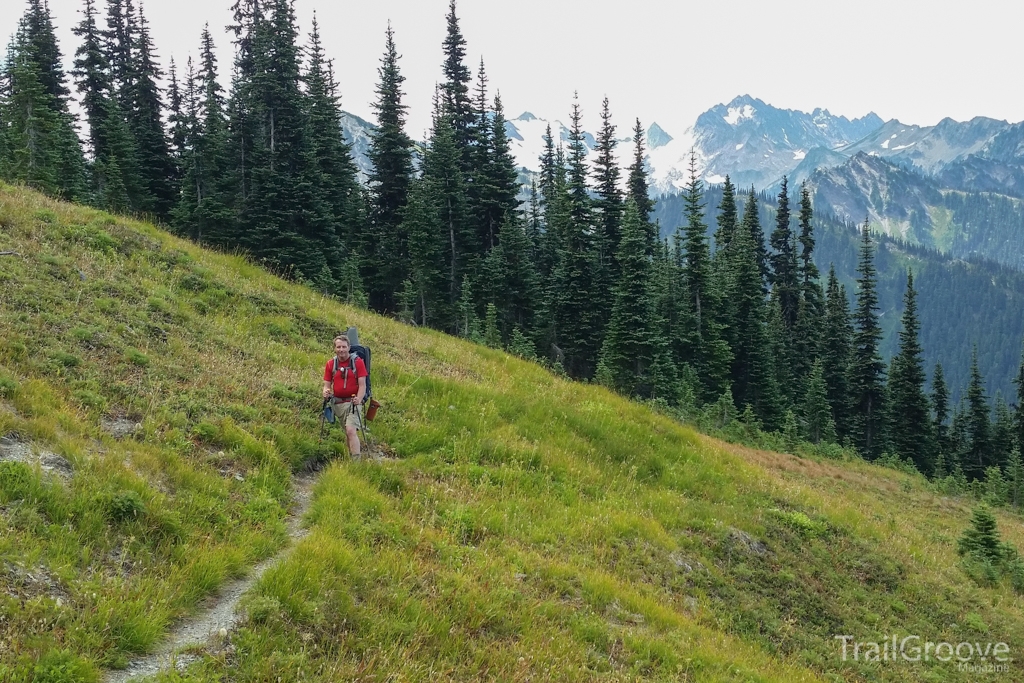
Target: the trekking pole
(323, 425)
(362, 424)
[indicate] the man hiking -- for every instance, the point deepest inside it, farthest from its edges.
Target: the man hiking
(345, 388)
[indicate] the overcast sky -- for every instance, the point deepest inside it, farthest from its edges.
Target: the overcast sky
(665, 61)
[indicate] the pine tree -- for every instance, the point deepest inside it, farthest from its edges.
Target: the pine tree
(1015, 479)
(511, 282)
(177, 122)
(638, 189)
(42, 141)
(443, 166)
(497, 178)
(940, 408)
(811, 305)
(711, 356)
(727, 217)
(578, 327)
(752, 224)
(386, 257)
(455, 87)
(817, 413)
(977, 455)
(608, 202)
(836, 345)
(1019, 416)
(116, 175)
(340, 184)
(627, 353)
(910, 430)
(1002, 432)
(427, 239)
(867, 369)
(204, 210)
(753, 376)
(784, 276)
(145, 118)
(284, 219)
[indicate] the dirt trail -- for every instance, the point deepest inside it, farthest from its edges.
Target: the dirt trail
(220, 611)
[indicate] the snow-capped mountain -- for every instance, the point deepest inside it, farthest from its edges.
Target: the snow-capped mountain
(750, 140)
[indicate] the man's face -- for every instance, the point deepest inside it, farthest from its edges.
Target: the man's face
(341, 347)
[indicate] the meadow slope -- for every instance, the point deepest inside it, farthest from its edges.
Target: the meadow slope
(156, 399)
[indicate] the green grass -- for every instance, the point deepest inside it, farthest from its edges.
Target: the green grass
(529, 529)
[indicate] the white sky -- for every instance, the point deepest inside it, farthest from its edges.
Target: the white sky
(664, 61)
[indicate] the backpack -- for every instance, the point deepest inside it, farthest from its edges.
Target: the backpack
(354, 352)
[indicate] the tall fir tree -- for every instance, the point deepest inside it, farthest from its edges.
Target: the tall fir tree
(816, 411)
(116, 177)
(340, 183)
(784, 275)
(511, 281)
(911, 434)
(638, 189)
(145, 117)
(753, 374)
(1019, 414)
(1003, 438)
(940, 411)
(837, 352)
(455, 87)
(576, 321)
(628, 350)
(752, 224)
(385, 248)
(284, 219)
(711, 355)
(977, 455)
(427, 282)
(811, 305)
(608, 199)
(867, 369)
(498, 180)
(727, 217)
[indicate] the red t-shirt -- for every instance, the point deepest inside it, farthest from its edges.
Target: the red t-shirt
(346, 383)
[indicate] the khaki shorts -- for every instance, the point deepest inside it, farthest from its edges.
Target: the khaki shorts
(345, 413)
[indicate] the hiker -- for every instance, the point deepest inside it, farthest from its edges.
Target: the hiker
(345, 388)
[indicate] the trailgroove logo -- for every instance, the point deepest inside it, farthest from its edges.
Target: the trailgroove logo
(970, 657)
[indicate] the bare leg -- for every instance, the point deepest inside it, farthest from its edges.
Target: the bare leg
(353, 441)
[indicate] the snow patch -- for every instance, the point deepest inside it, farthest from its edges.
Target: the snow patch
(714, 179)
(885, 145)
(739, 147)
(893, 136)
(737, 114)
(799, 155)
(899, 147)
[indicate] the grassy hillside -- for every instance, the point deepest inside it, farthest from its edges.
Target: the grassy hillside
(527, 528)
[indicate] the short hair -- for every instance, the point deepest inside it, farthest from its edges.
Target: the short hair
(342, 337)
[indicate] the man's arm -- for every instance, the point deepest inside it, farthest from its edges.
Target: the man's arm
(361, 393)
(328, 389)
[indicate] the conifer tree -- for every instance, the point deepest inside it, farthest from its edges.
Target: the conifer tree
(977, 455)
(1003, 440)
(386, 246)
(711, 356)
(910, 431)
(512, 283)
(836, 354)
(1019, 415)
(940, 408)
(442, 165)
(145, 116)
(340, 184)
(817, 413)
(867, 369)
(284, 219)
(115, 169)
(779, 353)
(752, 224)
(427, 237)
(627, 353)
(176, 122)
(497, 178)
(753, 374)
(637, 185)
(575, 318)
(608, 202)
(672, 323)
(727, 217)
(42, 145)
(455, 87)
(810, 307)
(784, 276)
